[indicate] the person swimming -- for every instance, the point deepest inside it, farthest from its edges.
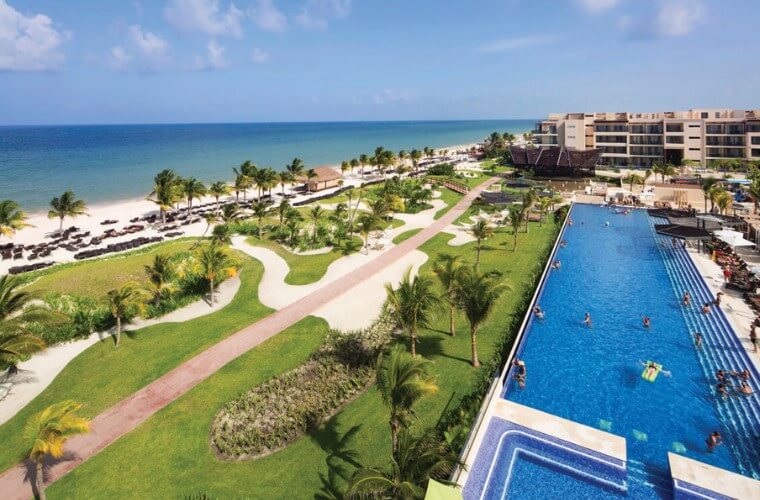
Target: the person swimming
(706, 308)
(606, 223)
(713, 440)
(743, 375)
(563, 243)
(686, 299)
(698, 340)
(646, 321)
(718, 298)
(538, 312)
(557, 265)
(650, 368)
(721, 388)
(587, 320)
(745, 389)
(521, 372)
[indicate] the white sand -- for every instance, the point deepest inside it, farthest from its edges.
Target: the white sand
(37, 373)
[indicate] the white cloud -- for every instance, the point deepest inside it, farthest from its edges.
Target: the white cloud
(145, 52)
(594, 6)
(259, 56)
(678, 17)
(315, 14)
(387, 96)
(507, 44)
(119, 59)
(214, 58)
(204, 16)
(29, 43)
(267, 16)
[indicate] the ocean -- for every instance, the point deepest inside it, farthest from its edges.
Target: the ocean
(106, 163)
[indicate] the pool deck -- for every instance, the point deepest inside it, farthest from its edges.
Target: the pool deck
(713, 479)
(738, 313)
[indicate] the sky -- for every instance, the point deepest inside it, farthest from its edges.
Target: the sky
(185, 61)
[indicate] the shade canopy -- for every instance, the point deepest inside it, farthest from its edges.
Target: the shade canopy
(682, 232)
(735, 241)
(438, 491)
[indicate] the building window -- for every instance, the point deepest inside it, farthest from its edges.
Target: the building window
(695, 125)
(694, 149)
(756, 152)
(756, 140)
(705, 115)
(694, 138)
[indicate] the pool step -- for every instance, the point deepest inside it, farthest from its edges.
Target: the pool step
(722, 350)
(640, 473)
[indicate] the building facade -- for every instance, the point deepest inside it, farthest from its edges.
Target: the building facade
(641, 139)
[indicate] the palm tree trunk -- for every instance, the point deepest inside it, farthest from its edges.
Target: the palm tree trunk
(477, 256)
(515, 247)
(38, 480)
(452, 326)
(211, 291)
(60, 226)
(163, 216)
(118, 330)
(413, 338)
(395, 425)
(474, 345)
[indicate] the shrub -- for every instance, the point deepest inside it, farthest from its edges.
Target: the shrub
(444, 169)
(284, 408)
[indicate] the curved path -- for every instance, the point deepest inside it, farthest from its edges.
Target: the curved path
(132, 411)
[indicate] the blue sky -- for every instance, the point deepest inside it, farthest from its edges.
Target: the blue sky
(146, 61)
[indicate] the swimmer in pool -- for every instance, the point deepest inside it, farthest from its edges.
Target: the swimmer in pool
(646, 321)
(686, 299)
(521, 372)
(651, 368)
(745, 389)
(698, 340)
(539, 313)
(587, 320)
(606, 223)
(706, 308)
(722, 391)
(713, 440)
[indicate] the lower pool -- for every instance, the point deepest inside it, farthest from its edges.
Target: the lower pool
(614, 268)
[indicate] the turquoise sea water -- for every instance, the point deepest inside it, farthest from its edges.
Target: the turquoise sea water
(115, 162)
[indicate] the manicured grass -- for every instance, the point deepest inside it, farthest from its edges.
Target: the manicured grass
(449, 197)
(305, 269)
(405, 235)
(169, 456)
(96, 277)
(103, 375)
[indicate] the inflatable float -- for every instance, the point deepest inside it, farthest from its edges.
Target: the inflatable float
(651, 375)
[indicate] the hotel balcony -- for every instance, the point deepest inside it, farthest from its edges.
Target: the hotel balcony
(646, 141)
(723, 129)
(718, 153)
(646, 129)
(611, 139)
(610, 128)
(647, 151)
(725, 141)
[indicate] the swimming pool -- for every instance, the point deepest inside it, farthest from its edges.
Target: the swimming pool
(592, 375)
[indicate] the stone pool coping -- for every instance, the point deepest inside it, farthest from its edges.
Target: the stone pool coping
(709, 478)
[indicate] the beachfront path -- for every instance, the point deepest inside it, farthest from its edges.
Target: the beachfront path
(132, 411)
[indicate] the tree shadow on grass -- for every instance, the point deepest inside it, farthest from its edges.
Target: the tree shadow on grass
(342, 459)
(30, 475)
(430, 346)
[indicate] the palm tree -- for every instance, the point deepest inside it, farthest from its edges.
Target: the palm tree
(282, 209)
(260, 210)
(222, 234)
(480, 230)
(164, 192)
(17, 312)
(344, 167)
(509, 138)
(284, 178)
(311, 174)
(192, 189)
(242, 184)
(417, 460)
(12, 218)
(415, 155)
(217, 190)
(265, 179)
(529, 199)
(707, 185)
(632, 179)
(476, 295)
(447, 269)
(230, 213)
(363, 160)
(402, 380)
(124, 302)
(315, 215)
(66, 206)
(160, 275)
(294, 228)
(724, 200)
(214, 261)
(413, 303)
(367, 224)
(354, 163)
(754, 191)
(515, 220)
(296, 167)
(47, 433)
(714, 194)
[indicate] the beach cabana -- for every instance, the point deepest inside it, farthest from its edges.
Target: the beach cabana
(327, 177)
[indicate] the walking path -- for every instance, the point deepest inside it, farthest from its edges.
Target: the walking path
(132, 411)
(35, 374)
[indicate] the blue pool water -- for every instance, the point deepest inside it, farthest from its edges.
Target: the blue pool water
(593, 376)
(546, 481)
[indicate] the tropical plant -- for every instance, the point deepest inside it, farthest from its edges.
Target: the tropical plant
(417, 460)
(284, 178)
(47, 433)
(633, 179)
(354, 163)
(160, 273)
(413, 304)
(282, 209)
(724, 200)
(260, 210)
(402, 380)
(296, 168)
(476, 295)
(754, 191)
(311, 174)
(125, 302)
(415, 155)
(12, 218)
(67, 205)
(481, 231)
(242, 184)
(217, 190)
(315, 215)
(714, 193)
(368, 223)
(192, 189)
(543, 207)
(345, 166)
(363, 161)
(164, 192)
(515, 220)
(708, 184)
(17, 312)
(214, 261)
(447, 268)
(230, 213)
(265, 179)
(222, 234)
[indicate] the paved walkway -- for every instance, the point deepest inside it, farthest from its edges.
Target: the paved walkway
(134, 410)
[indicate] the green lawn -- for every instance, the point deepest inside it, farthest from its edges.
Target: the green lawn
(96, 277)
(305, 269)
(405, 235)
(169, 455)
(449, 197)
(103, 375)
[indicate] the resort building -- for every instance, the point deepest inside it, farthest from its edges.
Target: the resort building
(327, 177)
(641, 139)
